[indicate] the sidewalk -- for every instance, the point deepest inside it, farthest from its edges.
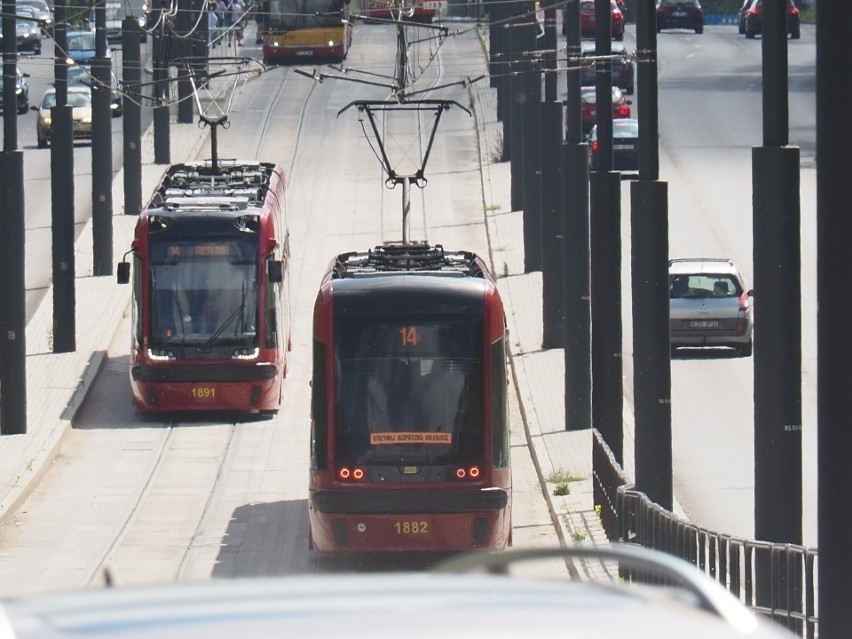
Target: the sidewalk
(538, 374)
(57, 383)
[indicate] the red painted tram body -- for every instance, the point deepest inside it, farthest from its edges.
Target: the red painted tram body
(211, 307)
(409, 428)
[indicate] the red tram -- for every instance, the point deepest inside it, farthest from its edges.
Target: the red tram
(211, 307)
(409, 428)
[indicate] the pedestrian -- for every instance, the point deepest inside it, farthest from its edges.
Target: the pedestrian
(258, 18)
(228, 7)
(220, 17)
(212, 27)
(237, 14)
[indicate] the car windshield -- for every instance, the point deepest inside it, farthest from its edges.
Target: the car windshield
(703, 285)
(82, 41)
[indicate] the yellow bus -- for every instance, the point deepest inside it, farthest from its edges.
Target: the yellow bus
(305, 31)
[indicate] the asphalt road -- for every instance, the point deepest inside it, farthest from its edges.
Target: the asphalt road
(710, 101)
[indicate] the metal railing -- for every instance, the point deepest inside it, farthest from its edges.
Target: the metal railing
(773, 579)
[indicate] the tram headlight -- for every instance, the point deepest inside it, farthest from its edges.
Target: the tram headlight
(160, 354)
(245, 353)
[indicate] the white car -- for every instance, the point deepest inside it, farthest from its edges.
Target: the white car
(444, 602)
(709, 305)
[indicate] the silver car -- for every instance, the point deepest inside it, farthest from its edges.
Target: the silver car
(709, 305)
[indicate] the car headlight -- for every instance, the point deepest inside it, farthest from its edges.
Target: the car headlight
(19, 91)
(87, 120)
(46, 120)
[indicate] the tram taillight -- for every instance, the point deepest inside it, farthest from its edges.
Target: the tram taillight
(347, 474)
(468, 473)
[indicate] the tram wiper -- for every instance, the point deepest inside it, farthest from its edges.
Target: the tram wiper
(234, 315)
(212, 339)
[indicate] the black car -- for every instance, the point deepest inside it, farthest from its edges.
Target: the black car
(623, 69)
(680, 14)
(625, 145)
(27, 30)
(753, 19)
(22, 92)
(43, 12)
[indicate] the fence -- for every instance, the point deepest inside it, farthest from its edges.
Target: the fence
(773, 579)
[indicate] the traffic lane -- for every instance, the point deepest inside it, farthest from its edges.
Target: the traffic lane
(708, 126)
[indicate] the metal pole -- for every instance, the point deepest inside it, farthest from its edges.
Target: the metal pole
(101, 149)
(132, 120)
(553, 304)
(62, 201)
(161, 45)
(605, 232)
(13, 337)
(777, 282)
(406, 210)
(834, 342)
(576, 250)
(516, 116)
(649, 272)
(187, 16)
(531, 147)
(605, 243)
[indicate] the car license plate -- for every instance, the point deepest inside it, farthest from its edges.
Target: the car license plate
(622, 147)
(703, 323)
(679, 14)
(304, 52)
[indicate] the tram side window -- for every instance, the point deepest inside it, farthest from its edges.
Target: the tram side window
(319, 409)
(136, 316)
(499, 414)
(270, 304)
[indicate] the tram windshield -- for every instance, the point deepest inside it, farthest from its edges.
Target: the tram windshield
(409, 392)
(204, 292)
(302, 14)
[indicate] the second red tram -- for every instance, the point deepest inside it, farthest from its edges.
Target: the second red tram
(211, 305)
(409, 429)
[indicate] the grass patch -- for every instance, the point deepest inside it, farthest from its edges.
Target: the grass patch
(563, 481)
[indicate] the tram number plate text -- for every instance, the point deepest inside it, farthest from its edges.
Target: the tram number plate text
(411, 527)
(203, 392)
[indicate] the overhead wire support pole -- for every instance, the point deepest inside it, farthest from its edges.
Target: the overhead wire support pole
(62, 197)
(13, 351)
(102, 261)
(776, 229)
(649, 237)
(605, 252)
(575, 263)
